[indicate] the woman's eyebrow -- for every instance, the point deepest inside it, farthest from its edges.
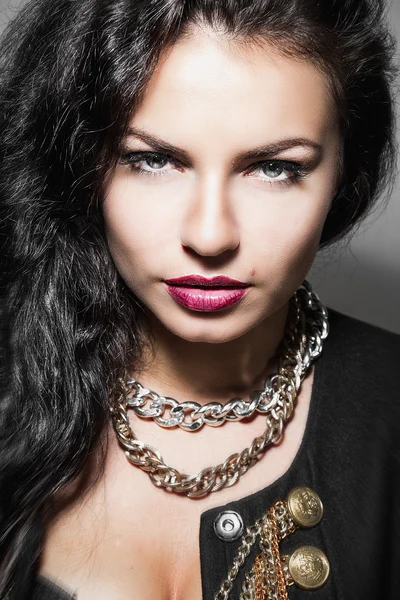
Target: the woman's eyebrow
(271, 149)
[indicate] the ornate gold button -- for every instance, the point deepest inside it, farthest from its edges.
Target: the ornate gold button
(305, 506)
(309, 567)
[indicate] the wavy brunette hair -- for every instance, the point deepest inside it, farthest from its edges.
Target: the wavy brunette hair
(71, 74)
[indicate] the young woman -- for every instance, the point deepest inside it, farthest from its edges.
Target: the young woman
(181, 417)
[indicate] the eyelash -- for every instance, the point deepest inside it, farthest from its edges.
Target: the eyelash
(298, 170)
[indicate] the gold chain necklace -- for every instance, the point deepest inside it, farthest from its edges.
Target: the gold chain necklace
(306, 327)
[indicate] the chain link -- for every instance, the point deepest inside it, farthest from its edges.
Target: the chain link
(267, 580)
(307, 326)
(249, 539)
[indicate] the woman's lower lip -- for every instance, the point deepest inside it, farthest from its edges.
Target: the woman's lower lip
(206, 299)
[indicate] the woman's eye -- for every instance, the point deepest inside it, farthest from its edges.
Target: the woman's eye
(272, 172)
(279, 171)
(148, 163)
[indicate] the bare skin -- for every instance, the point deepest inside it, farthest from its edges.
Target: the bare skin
(125, 538)
(130, 540)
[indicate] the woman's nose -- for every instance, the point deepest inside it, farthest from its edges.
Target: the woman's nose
(209, 227)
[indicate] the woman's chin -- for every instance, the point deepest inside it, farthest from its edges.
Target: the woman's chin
(209, 328)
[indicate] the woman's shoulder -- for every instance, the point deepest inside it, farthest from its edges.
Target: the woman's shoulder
(361, 373)
(357, 345)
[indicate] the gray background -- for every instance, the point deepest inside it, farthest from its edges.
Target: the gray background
(361, 276)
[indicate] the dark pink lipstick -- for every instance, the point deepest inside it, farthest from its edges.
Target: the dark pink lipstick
(206, 294)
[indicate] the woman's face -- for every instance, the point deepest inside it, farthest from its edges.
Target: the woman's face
(229, 169)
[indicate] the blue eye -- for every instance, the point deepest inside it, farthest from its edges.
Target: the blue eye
(273, 169)
(272, 172)
(281, 172)
(154, 161)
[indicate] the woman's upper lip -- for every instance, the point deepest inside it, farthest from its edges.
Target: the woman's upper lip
(199, 280)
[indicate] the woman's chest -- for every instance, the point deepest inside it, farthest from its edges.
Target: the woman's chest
(128, 539)
(169, 550)
(127, 553)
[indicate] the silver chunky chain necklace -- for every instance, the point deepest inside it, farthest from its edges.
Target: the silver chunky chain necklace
(191, 416)
(306, 328)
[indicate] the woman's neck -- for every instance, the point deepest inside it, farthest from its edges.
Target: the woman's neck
(205, 372)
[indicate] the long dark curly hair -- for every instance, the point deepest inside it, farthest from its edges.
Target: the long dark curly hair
(71, 75)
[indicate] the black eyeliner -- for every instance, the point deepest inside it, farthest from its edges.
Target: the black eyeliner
(298, 170)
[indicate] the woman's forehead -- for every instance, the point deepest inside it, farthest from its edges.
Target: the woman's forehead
(203, 87)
